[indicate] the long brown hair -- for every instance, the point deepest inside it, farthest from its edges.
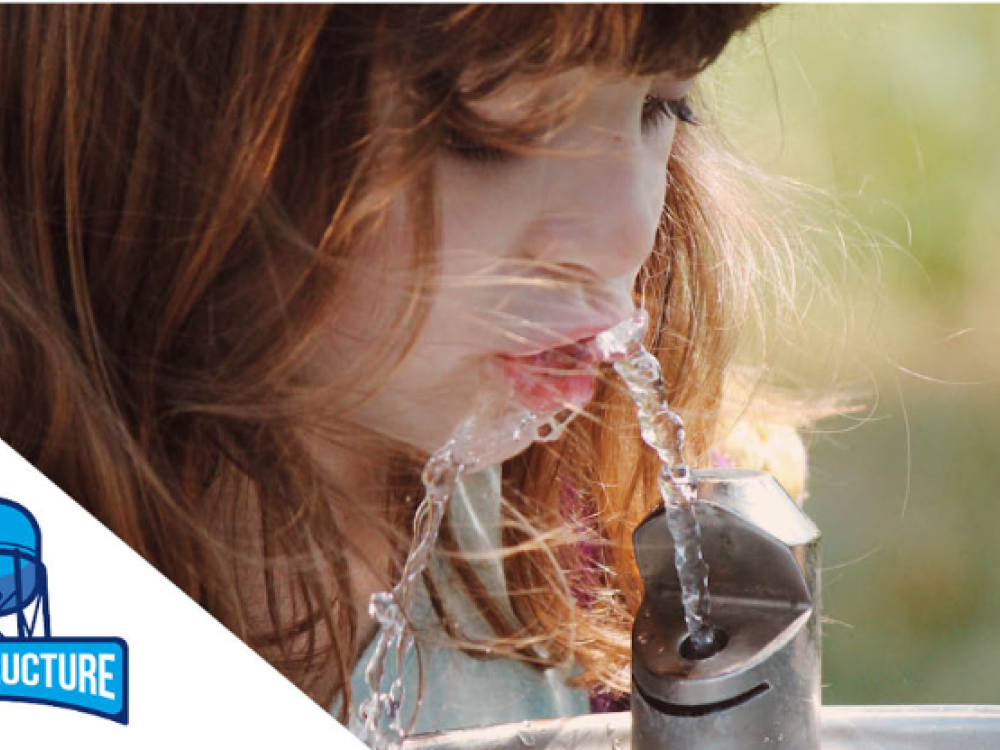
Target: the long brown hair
(183, 190)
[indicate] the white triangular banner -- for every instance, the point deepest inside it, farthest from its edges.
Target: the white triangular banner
(192, 683)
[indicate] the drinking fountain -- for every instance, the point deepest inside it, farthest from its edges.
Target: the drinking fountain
(760, 688)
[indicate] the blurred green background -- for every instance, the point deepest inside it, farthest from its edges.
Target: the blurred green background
(894, 112)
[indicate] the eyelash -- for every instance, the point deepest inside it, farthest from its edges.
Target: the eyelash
(655, 112)
(472, 150)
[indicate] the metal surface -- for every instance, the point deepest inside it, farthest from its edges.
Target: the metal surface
(911, 728)
(762, 689)
(765, 589)
(843, 728)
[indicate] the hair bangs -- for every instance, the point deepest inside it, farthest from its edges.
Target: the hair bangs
(447, 58)
(531, 39)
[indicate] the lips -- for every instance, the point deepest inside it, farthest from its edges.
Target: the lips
(558, 378)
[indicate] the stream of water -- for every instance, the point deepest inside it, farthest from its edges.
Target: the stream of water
(491, 427)
(663, 430)
(495, 424)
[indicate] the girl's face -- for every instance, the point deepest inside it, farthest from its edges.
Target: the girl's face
(537, 252)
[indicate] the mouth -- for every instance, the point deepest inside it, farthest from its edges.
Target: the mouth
(551, 380)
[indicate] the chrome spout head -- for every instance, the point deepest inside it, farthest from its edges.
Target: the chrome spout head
(761, 689)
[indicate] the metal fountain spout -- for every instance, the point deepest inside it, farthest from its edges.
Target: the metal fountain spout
(762, 688)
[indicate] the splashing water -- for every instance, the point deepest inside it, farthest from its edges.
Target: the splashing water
(663, 430)
(492, 425)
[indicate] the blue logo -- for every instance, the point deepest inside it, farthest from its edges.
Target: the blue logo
(84, 674)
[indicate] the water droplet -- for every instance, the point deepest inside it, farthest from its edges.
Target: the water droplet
(525, 736)
(644, 637)
(384, 608)
(622, 340)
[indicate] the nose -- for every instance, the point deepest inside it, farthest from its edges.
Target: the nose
(600, 215)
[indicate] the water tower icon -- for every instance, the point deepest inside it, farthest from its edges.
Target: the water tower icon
(24, 591)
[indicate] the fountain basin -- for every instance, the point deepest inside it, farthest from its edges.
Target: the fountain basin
(842, 728)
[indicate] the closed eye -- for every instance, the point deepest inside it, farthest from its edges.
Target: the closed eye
(471, 149)
(657, 111)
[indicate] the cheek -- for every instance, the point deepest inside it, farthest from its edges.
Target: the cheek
(659, 153)
(481, 218)
(373, 292)
(675, 142)
(481, 210)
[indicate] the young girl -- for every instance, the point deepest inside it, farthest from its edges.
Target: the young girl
(256, 264)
